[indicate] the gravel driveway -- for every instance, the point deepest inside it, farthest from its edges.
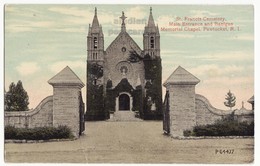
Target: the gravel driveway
(131, 142)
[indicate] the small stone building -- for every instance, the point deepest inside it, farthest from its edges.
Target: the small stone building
(64, 107)
(252, 102)
(243, 114)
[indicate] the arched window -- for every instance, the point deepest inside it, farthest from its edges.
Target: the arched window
(93, 57)
(152, 42)
(95, 42)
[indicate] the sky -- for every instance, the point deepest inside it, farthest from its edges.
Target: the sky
(40, 40)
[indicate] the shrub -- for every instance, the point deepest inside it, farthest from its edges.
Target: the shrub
(225, 128)
(187, 133)
(10, 132)
(38, 133)
(63, 132)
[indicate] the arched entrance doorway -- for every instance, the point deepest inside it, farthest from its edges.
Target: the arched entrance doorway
(124, 102)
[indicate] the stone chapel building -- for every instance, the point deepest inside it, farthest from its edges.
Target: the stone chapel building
(123, 77)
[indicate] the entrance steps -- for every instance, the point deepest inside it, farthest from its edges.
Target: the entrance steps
(123, 116)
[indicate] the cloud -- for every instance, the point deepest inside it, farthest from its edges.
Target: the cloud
(17, 25)
(202, 13)
(10, 8)
(137, 12)
(246, 37)
(213, 70)
(187, 36)
(27, 68)
(22, 11)
(71, 19)
(163, 20)
(226, 55)
(58, 66)
(174, 52)
(230, 82)
(83, 17)
(68, 10)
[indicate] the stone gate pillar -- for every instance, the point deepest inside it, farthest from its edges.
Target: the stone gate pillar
(66, 100)
(181, 88)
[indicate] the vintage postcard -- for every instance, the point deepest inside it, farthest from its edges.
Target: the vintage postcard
(128, 83)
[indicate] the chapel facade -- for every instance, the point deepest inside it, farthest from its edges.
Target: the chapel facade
(123, 77)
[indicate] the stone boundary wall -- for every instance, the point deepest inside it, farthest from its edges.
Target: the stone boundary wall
(184, 109)
(206, 113)
(65, 107)
(41, 116)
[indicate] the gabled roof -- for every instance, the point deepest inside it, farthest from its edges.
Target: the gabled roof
(128, 38)
(182, 76)
(66, 77)
(251, 100)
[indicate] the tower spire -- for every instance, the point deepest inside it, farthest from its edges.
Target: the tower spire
(95, 23)
(150, 20)
(123, 17)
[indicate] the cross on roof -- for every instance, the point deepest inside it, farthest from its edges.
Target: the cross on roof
(123, 17)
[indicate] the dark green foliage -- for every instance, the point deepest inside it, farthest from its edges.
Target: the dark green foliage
(123, 86)
(95, 71)
(152, 67)
(95, 101)
(166, 113)
(95, 93)
(134, 56)
(187, 133)
(10, 132)
(109, 84)
(110, 101)
(153, 76)
(111, 94)
(137, 99)
(230, 100)
(223, 128)
(38, 133)
(16, 99)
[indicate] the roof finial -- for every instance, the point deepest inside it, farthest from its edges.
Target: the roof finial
(151, 10)
(242, 104)
(95, 11)
(123, 17)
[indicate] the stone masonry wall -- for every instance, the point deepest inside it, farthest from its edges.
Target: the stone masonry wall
(182, 114)
(116, 58)
(187, 109)
(38, 117)
(66, 107)
(206, 113)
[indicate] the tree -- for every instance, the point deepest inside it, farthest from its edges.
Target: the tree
(231, 100)
(16, 99)
(95, 72)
